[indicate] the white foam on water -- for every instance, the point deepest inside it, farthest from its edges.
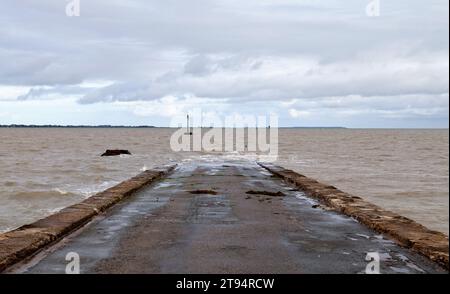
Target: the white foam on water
(92, 190)
(54, 210)
(61, 191)
(7, 229)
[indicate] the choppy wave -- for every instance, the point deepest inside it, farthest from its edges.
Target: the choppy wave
(41, 195)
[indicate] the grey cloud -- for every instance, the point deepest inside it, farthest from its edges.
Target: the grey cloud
(131, 91)
(58, 92)
(282, 79)
(238, 51)
(376, 103)
(199, 65)
(117, 40)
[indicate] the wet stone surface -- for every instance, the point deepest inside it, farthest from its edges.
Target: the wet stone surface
(166, 229)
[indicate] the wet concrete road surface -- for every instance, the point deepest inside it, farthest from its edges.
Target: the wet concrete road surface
(200, 219)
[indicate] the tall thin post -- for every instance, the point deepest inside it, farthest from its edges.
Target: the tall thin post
(188, 128)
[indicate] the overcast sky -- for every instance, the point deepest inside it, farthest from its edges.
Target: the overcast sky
(312, 62)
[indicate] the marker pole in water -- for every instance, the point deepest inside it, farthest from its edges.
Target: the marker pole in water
(188, 129)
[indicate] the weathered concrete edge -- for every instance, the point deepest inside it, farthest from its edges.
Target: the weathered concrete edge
(27, 240)
(404, 231)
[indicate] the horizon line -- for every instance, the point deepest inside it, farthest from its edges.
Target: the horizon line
(166, 127)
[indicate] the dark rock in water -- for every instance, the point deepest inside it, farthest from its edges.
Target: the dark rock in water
(116, 152)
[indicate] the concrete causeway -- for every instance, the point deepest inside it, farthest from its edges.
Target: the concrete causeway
(218, 217)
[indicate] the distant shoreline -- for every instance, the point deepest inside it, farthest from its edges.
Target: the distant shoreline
(130, 127)
(20, 126)
(76, 127)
